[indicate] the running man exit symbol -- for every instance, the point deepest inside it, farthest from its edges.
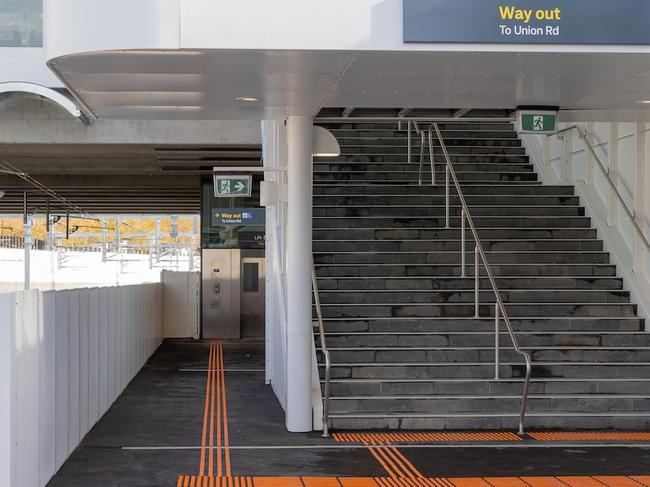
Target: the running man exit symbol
(232, 186)
(544, 122)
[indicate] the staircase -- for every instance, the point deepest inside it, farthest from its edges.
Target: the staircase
(406, 353)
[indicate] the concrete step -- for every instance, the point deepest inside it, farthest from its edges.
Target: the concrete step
(537, 324)
(333, 189)
(401, 140)
(439, 404)
(403, 158)
(490, 421)
(452, 144)
(511, 297)
(474, 355)
(505, 222)
(458, 310)
(399, 127)
(513, 386)
(504, 283)
(455, 245)
(472, 201)
(452, 138)
(477, 370)
(449, 270)
(412, 177)
(440, 211)
(378, 233)
(453, 150)
(323, 167)
(471, 129)
(538, 339)
(423, 258)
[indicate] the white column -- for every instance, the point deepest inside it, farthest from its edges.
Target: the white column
(299, 258)
(640, 250)
(612, 203)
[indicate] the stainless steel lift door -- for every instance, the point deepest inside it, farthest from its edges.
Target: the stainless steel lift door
(221, 293)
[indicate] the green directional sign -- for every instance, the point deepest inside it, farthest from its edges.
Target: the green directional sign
(537, 122)
(229, 186)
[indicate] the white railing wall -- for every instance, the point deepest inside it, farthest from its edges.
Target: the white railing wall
(65, 356)
(275, 156)
(624, 149)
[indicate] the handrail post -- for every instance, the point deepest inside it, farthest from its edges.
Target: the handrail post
(499, 308)
(422, 142)
(408, 141)
(463, 272)
(325, 352)
(476, 282)
(431, 158)
(497, 321)
(421, 157)
(447, 197)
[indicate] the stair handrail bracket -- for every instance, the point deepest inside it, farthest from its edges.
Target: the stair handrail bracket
(500, 311)
(324, 351)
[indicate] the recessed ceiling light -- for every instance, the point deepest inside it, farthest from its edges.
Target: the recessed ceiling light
(250, 99)
(644, 102)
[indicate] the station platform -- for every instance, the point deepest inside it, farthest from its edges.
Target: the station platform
(200, 414)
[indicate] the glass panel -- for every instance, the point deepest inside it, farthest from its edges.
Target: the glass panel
(251, 277)
(229, 236)
(21, 23)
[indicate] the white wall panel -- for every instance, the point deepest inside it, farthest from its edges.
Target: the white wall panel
(47, 362)
(104, 338)
(618, 237)
(93, 356)
(181, 303)
(62, 386)
(74, 352)
(7, 308)
(56, 353)
(83, 362)
(26, 366)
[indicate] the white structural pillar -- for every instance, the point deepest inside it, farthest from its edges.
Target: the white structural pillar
(299, 260)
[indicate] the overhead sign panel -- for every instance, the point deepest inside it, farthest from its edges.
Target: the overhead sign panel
(227, 186)
(607, 22)
(238, 216)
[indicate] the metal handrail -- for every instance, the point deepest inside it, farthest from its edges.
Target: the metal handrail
(499, 307)
(325, 352)
(582, 132)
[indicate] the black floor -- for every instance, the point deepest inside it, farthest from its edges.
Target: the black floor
(152, 434)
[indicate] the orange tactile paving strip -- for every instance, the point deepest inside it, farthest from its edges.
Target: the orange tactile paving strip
(589, 436)
(390, 438)
(198, 481)
(400, 471)
(215, 416)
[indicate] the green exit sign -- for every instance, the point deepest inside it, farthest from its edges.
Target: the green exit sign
(228, 186)
(532, 122)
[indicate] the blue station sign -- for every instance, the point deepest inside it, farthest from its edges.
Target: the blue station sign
(238, 216)
(602, 22)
